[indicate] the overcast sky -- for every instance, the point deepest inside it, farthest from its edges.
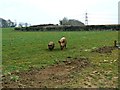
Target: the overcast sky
(51, 11)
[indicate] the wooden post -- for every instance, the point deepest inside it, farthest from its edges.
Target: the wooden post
(115, 43)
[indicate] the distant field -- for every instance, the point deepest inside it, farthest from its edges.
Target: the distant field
(23, 50)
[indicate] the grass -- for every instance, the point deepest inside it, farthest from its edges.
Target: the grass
(22, 50)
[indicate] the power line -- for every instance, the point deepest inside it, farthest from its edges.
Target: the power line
(86, 18)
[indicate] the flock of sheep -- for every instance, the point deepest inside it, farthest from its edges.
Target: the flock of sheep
(62, 43)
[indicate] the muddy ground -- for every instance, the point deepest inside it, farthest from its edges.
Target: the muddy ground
(58, 74)
(105, 49)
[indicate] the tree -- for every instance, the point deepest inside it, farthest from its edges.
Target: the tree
(64, 21)
(26, 24)
(11, 24)
(7, 23)
(3, 23)
(20, 25)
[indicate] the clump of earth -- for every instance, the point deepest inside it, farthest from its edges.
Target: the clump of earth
(105, 49)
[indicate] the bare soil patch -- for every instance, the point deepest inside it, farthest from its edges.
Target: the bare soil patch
(105, 49)
(51, 76)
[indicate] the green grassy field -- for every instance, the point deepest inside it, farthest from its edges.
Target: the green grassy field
(22, 50)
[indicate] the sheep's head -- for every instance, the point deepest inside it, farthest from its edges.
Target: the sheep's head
(51, 46)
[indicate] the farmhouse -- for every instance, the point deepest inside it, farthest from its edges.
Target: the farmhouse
(71, 22)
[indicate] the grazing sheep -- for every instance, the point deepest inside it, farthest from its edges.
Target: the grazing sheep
(51, 45)
(62, 42)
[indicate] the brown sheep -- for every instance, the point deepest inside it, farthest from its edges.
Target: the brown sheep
(51, 45)
(62, 43)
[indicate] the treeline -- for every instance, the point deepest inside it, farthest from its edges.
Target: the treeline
(52, 27)
(7, 23)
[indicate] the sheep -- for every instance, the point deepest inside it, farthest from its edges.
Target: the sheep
(62, 43)
(51, 45)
